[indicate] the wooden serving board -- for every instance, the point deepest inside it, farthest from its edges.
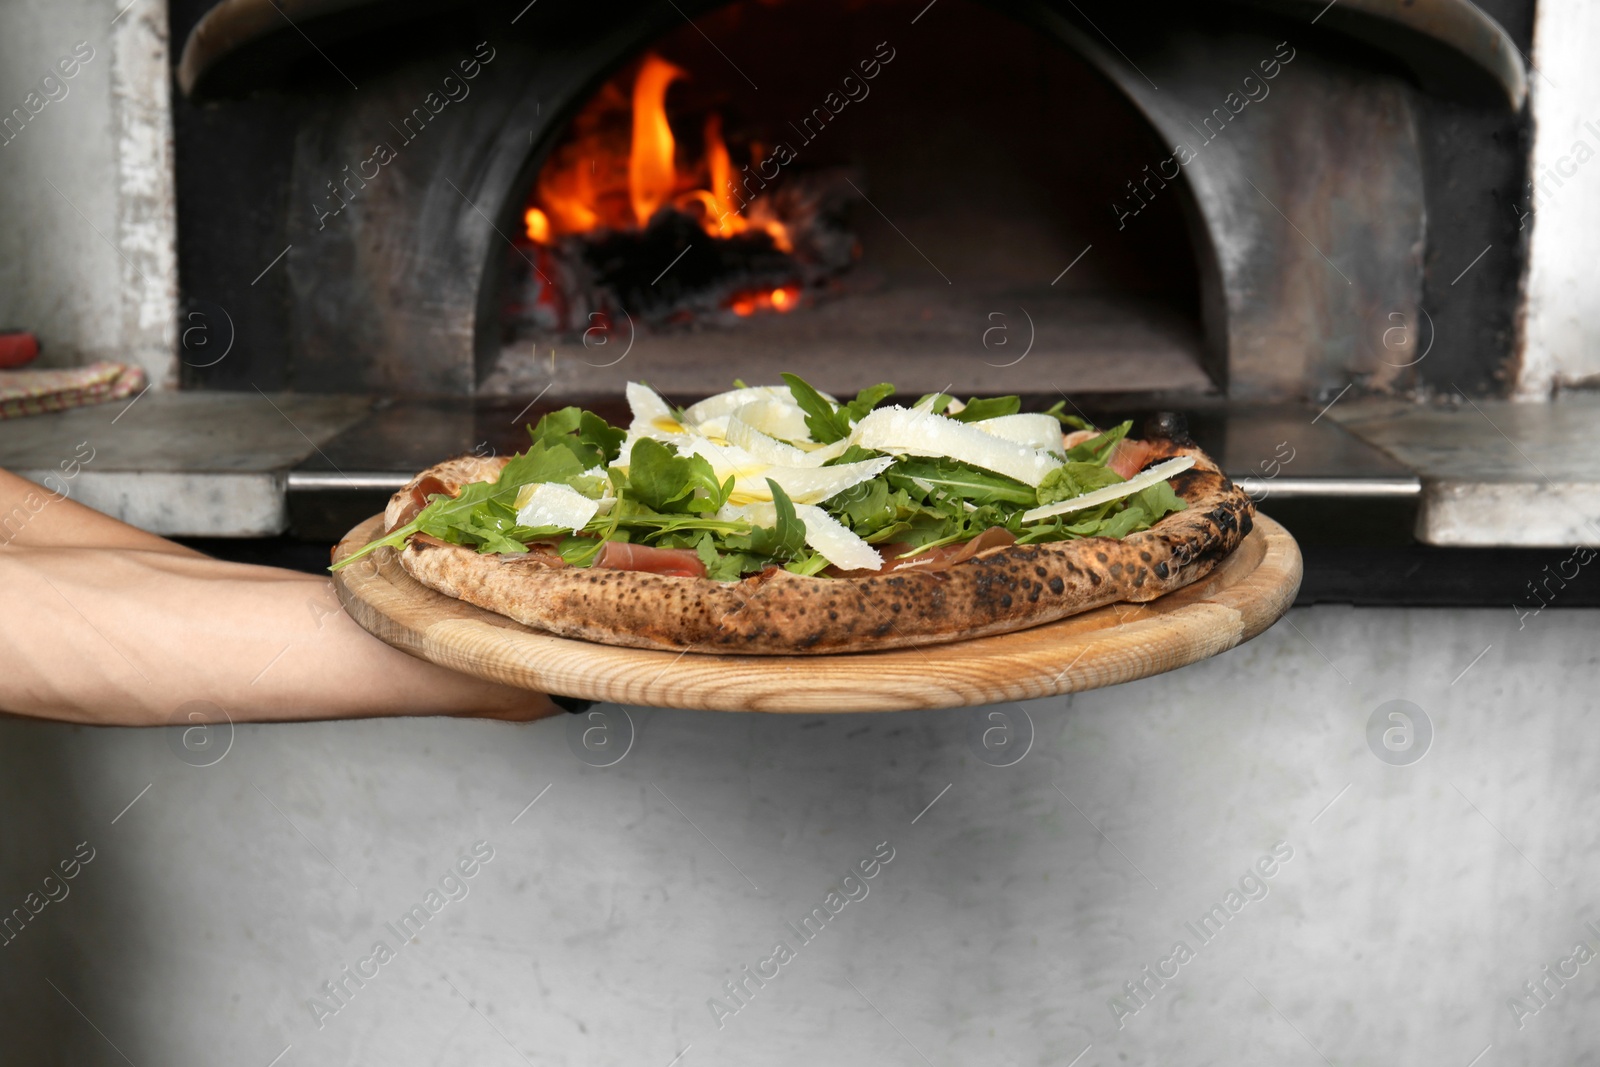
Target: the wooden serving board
(1243, 596)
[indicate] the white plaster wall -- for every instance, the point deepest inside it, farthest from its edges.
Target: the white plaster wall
(1562, 331)
(1417, 901)
(87, 224)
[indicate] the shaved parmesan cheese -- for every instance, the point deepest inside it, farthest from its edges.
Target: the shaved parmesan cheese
(725, 459)
(1036, 431)
(1159, 473)
(652, 416)
(918, 433)
(776, 418)
(805, 485)
(554, 504)
(829, 537)
(734, 399)
(751, 428)
(716, 429)
(746, 436)
(808, 485)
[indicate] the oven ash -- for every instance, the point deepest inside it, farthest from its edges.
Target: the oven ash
(622, 224)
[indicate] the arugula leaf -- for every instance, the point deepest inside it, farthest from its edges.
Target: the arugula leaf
(940, 401)
(594, 430)
(591, 439)
(1074, 479)
(727, 566)
(822, 418)
(968, 483)
(992, 408)
(1099, 449)
(1159, 500)
(1056, 411)
(813, 563)
(785, 539)
(862, 503)
(867, 399)
(827, 422)
(466, 515)
(542, 462)
(853, 454)
(666, 482)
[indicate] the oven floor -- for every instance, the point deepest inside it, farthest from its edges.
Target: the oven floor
(921, 338)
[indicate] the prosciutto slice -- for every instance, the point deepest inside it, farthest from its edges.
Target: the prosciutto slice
(675, 562)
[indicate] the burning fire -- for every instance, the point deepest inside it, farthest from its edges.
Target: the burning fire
(589, 183)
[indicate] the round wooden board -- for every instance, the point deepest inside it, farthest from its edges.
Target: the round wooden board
(1243, 596)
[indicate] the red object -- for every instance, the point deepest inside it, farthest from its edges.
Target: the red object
(17, 347)
(675, 562)
(1130, 457)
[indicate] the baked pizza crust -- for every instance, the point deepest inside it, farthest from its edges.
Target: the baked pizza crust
(996, 591)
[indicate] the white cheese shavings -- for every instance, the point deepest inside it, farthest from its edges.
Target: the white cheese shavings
(745, 435)
(804, 485)
(778, 419)
(1036, 431)
(1159, 473)
(652, 416)
(755, 429)
(554, 504)
(918, 433)
(831, 540)
(734, 399)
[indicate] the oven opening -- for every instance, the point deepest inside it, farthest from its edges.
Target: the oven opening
(787, 186)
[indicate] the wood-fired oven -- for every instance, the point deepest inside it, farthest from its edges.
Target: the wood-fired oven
(1227, 200)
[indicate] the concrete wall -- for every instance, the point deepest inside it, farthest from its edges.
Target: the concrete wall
(1417, 900)
(88, 248)
(1562, 344)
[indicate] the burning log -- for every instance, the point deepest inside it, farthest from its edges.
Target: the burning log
(616, 227)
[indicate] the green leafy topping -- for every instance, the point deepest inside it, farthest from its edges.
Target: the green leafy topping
(978, 410)
(822, 418)
(664, 481)
(948, 478)
(784, 540)
(1098, 449)
(829, 422)
(1075, 479)
(592, 441)
(1058, 410)
(665, 499)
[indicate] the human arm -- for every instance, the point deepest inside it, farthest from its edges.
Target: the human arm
(106, 624)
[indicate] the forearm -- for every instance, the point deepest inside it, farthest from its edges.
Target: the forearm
(32, 516)
(127, 636)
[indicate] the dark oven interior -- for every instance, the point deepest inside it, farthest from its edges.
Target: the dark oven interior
(1009, 197)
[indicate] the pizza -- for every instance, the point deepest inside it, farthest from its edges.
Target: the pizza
(780, 520)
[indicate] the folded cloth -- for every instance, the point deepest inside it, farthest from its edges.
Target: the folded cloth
(34, 392)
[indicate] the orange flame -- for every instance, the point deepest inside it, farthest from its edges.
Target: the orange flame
(652, 176)
(593, 181)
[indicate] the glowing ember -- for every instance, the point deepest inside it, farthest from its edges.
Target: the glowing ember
(538, 224)
(786, 298)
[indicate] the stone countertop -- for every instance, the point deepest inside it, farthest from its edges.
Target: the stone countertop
(1483, 473)
(1493, 472)
(181, 464)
